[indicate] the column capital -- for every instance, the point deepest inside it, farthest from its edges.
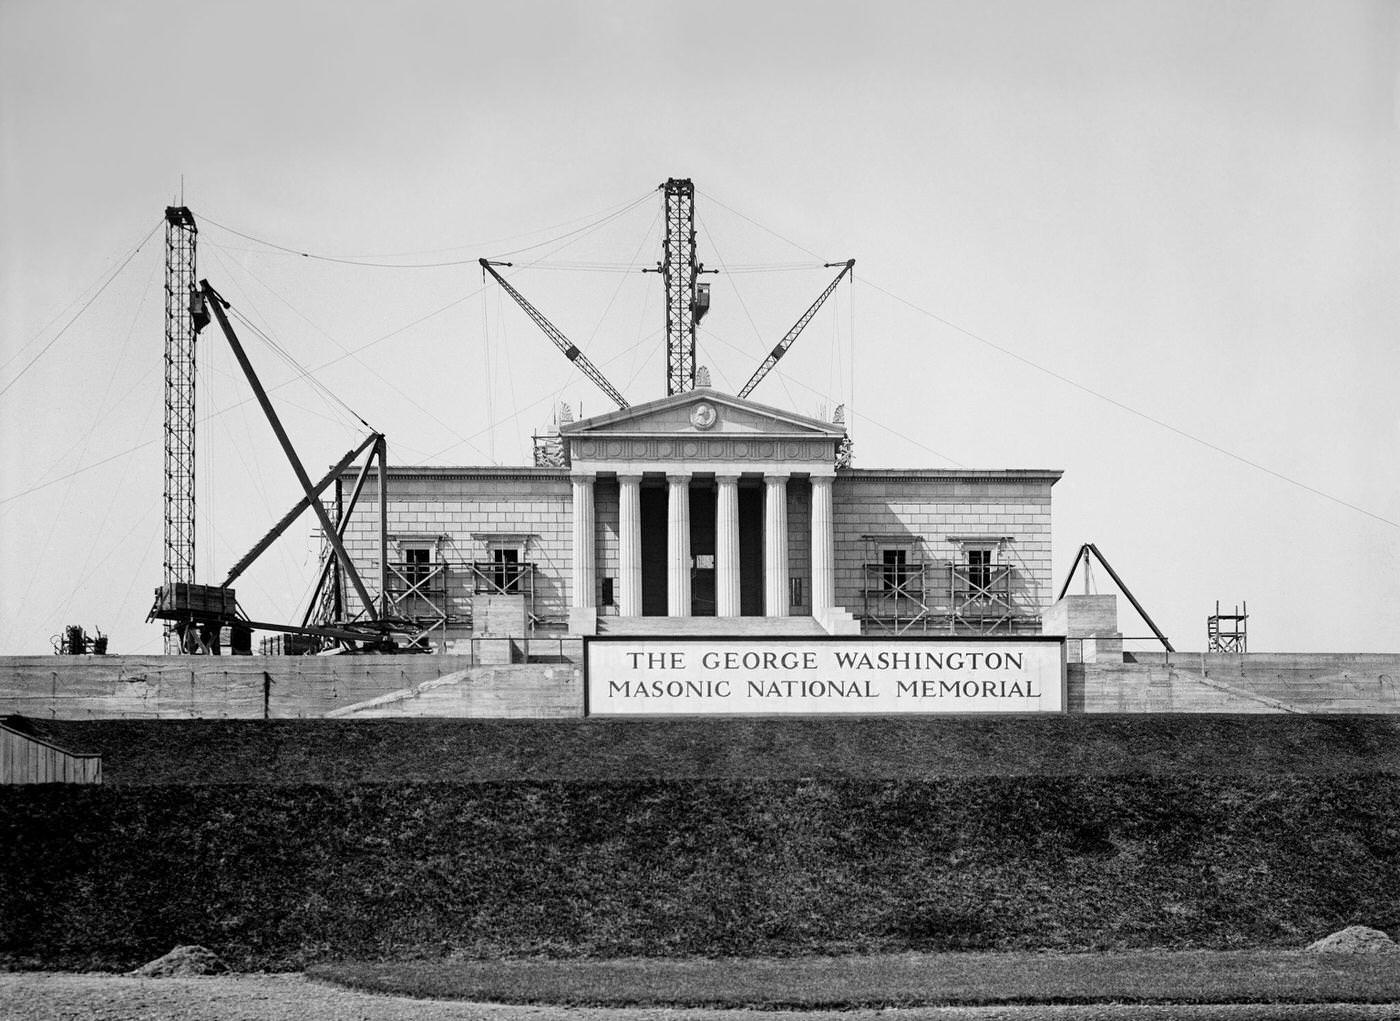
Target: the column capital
(580, 475)
(631, 479)
(677, 480)
(776, 478)
(823, 480)
(726, 476)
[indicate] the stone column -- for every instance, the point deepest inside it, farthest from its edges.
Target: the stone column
(727, 546)
(678, 545)
(775, 551)
(823, 547)
(585, 572)
(629, 546)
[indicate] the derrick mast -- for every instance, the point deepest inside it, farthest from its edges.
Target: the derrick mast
(180, 329)
(686, 302)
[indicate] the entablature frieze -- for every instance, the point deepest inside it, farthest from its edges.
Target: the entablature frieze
(801, 451)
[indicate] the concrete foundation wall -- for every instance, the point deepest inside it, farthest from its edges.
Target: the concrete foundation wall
(1246, 682)
(524, 691)
(183, 687)
(217, 687)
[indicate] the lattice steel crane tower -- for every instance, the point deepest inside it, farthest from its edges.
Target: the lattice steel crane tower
(180, 330)
(687, 300)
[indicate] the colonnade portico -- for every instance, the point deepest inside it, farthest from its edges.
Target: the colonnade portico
(735, 451)
(775, 553)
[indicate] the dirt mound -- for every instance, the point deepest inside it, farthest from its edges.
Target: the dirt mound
(188, 960)
(1355, 939)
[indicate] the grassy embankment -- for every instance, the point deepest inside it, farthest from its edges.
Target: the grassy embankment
(282, 844)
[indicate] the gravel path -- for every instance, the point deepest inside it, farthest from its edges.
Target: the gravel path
(45, 996)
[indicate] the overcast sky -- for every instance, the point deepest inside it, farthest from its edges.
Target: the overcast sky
(1155, 245)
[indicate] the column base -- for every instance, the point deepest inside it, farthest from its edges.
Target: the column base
(583, 620)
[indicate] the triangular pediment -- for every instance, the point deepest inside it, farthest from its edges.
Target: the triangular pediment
(702, 412)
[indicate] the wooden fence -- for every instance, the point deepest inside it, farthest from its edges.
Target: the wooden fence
(25, 758)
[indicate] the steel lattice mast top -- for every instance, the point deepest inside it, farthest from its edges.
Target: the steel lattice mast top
(679, 271)
(180, 233)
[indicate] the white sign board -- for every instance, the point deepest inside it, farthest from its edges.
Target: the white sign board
(806, 676)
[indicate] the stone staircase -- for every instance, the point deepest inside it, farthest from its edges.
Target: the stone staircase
(711, 627)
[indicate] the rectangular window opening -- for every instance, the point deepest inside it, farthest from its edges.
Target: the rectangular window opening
(505, 570)
(979, 570)
(416, 564)
(894, 569)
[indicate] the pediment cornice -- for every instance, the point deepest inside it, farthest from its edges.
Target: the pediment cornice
(702, 412)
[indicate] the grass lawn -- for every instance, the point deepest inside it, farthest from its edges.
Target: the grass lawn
(905, 980)
(144, 752)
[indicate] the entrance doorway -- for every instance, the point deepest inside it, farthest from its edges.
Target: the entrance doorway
(702, 551)
(751, 550)
(655, 552)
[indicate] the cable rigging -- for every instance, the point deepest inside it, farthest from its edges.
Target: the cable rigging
(1131, 410)
(114, 274)
(586, 228)
(350, 353)
(380, 377)
(1077, 385)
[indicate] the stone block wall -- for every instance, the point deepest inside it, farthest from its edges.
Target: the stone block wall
(928, 507)
(1091, 624)
(458, 506)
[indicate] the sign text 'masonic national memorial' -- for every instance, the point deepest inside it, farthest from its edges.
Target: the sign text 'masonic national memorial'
(739, 676)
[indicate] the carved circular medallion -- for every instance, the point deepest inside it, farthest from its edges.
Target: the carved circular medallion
(703, 415)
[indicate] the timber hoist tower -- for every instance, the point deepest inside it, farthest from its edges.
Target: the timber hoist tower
(180, 329)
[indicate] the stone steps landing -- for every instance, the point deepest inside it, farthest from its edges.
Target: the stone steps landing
(749, 627)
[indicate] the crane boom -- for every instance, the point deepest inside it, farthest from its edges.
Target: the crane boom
(797, 328)
(562, 342)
